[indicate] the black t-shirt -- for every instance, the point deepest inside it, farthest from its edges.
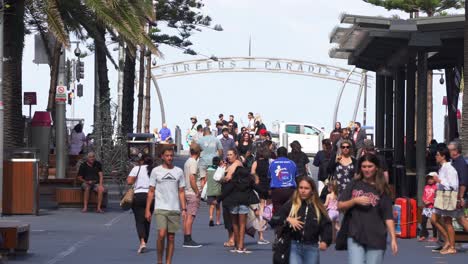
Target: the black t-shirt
(301, 160)
(367, 223)
(90, 173)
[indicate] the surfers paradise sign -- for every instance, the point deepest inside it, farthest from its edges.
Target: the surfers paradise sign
(251, 64)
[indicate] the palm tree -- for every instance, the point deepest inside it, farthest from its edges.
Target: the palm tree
(12, 71)
(464, 130)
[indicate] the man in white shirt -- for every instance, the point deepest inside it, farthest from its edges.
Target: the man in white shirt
(167, 184)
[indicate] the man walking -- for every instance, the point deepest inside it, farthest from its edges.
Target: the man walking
(91, 177)
(167, 185)
(283, 173)
(458, 162)
(227, 142)
(193, 188)
(210, 147)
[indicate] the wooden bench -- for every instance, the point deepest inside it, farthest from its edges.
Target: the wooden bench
(73, 197)
(15, 236)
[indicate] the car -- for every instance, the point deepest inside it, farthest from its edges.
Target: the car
(309, 136)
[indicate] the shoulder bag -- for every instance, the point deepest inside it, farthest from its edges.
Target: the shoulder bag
(446, 200)
(127, 201)
(282, 245)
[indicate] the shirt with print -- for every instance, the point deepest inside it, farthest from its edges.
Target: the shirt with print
(209, 146)
(142, 178)
(429, 195)
(167, 183)
(283, 173)
(191, 168)
(367, 223)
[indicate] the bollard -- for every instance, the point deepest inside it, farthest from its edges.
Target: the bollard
(285, 140)
(178, 140)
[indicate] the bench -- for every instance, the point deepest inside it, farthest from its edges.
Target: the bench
(15, 236)
(73, 197)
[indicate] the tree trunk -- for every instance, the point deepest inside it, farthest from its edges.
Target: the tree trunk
(54, 66)
(463, 129)
(430, 111)
(13, 122)
(141, 85)
(104, 101)
(128, 99)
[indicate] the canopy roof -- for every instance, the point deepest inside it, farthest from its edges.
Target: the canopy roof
(383, 44)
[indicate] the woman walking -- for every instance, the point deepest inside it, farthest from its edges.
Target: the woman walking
(307, 222)
(139, 177)
(300, 158)
(447, 181)
(238, 195)
(260, 171)
(343, 167)
(368, 206)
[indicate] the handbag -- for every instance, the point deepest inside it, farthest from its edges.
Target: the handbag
(282, 245)
(127, 201)
(446, 200)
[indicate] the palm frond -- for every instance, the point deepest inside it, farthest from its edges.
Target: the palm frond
(55, 22)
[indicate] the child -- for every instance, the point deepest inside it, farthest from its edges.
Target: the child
(214, 187)
(331, 203)
(428, 200)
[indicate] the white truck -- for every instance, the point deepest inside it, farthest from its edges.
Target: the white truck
(309, 136)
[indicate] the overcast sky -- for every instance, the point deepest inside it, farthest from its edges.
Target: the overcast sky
(293, 29)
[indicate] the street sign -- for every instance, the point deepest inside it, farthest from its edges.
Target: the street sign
(61, 94)
(29, 98)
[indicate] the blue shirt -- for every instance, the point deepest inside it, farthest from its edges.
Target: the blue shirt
(164, 133)
(461, 167)
(227, 143)
(283, 173)
(209, 146)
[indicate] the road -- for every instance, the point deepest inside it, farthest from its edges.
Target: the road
(69, 236)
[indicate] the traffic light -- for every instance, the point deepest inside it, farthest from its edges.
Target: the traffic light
(70, 97)
(68, 73)
(79, 70)
(79, 90)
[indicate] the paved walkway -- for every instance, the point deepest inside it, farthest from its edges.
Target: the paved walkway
(69, 236)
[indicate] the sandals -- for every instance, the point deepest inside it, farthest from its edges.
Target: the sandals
(448, 251)
(421, 239)
(228, 244)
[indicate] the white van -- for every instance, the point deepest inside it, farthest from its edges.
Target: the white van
(309, 136)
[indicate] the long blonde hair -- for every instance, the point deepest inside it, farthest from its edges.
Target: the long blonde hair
(313, 200)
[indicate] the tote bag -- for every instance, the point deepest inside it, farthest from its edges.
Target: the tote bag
(127, 201)
(446, 200)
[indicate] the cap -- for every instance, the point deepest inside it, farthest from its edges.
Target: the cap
(368, 144)
(263, 132)
(432, 174)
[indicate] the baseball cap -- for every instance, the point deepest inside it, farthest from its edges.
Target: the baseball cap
(263, 132)
(432, 174)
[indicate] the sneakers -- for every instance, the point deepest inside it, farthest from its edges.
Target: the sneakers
(263, 242)
(243, 251)
(191, 244)
(211, 223)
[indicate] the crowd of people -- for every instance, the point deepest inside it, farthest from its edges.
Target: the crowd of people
(243, 177)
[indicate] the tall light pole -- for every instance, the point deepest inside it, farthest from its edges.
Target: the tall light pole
(1, 106)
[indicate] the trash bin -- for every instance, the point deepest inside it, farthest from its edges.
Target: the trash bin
(40, 128)
(20, 182)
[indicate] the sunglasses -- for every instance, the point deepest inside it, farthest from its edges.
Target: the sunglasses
(345, 147)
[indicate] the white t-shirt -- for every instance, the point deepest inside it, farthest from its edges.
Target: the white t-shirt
(167, 183)
(142, 178)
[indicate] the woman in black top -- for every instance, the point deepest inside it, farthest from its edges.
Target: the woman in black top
(368, 203)
(300, 158)
(259, 170)
(238, 194)
(307, 223)
(244, 148)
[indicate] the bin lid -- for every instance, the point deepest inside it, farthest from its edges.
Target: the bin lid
(41, 119)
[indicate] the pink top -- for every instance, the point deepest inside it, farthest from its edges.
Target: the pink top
(332, 204)
(429, 195)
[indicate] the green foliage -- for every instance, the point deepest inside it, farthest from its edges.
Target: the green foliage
(430, 7)
(184, 18)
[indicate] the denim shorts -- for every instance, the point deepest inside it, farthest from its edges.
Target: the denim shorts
(240, 209)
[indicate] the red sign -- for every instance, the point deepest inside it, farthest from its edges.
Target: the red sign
(61, 94)
(30, 98)
(444, 100)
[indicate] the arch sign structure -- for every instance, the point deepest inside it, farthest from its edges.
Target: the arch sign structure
(261, 65)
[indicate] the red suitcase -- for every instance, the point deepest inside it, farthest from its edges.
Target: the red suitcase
(406, 218)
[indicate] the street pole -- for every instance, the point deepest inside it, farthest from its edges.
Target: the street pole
(120, 88)
(60, 145)
(1, 107)
(364, 112)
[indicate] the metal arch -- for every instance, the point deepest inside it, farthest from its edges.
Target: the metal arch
(256, 65)
(338, 99)
(252, 65)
